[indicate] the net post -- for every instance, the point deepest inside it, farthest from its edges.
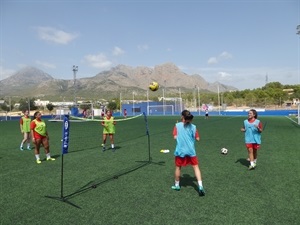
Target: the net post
(65, 146)
(148, 135)
(64, 150)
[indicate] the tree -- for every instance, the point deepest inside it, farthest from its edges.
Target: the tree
(117, 101)
(228, 98)
(250, 99)
(112, 105)
(50, 107)
(273, 85)
(24, 104)
(4, 107)
(85, 106)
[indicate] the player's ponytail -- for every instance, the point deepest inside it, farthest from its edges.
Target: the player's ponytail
(187, 116)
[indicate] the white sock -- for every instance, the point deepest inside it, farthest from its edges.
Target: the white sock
(48, 155)
(176, 182)
(21, 145)
(37, 156)
(251, 163)
(255, 160)
(200, 183)
(28, 145)
(112, 145)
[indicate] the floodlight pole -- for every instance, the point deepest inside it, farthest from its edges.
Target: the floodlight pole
(164, 102)
(147, 102)
(298, 33)
(75, 69)
(121, 110)
(219, 100)
(199, 108)
(180, 99)
(133, 110)
(29, 105)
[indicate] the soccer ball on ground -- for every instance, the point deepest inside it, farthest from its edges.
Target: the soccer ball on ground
(224, 151)
(153, 86)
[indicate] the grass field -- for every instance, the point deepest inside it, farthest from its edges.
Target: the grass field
(130, 191)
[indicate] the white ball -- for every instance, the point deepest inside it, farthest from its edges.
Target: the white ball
(224, 151)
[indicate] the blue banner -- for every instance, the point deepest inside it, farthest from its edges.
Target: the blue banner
(65, 135)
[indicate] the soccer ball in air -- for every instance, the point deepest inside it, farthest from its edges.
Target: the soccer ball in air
(224, 151)
(153, 86)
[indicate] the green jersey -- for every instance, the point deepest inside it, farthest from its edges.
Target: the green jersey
(25, 124)
(109, 125)
(40, 127)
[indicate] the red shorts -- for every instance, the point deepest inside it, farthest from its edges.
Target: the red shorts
(187, 160)
(38, 136)
(253, 145)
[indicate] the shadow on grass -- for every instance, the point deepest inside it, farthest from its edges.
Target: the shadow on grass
(187, 180)
(55, 156)
(95, 183)
(242, 161)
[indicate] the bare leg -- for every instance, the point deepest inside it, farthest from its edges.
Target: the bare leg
(197, 172)
(111, 136)
(250, 154)
(46, 145)
(177, 173)
(254, 154)
(177, 178)
(104, 138)
(37, 144)
(26, 138)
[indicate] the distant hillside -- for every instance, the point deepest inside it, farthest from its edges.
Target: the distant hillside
(120, 79)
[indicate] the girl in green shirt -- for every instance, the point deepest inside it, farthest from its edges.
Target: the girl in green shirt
(108, 129)
(25, 129)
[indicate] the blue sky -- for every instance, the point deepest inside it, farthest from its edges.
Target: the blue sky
(237, 43)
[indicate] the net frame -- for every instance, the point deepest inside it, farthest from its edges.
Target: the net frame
(94, 183)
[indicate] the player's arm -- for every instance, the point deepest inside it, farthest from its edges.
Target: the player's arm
(260, 127)
(175, 132)
(197, 136)
(21, 125)
(243, 128)
(47, 134)
(32, 126)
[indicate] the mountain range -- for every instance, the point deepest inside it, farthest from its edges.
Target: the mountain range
(33, 82)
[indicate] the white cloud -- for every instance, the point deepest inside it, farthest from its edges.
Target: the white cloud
(169, 49)
(54, 35)
(118, 51)
(45, 64)
(246, 78)
(5, 73)
(144, 47)
(224, 76)
(98, 61)
(212, 60)
(221, 57)
(225, 55)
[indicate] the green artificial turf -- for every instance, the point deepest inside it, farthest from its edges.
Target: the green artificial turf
(124, 187)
